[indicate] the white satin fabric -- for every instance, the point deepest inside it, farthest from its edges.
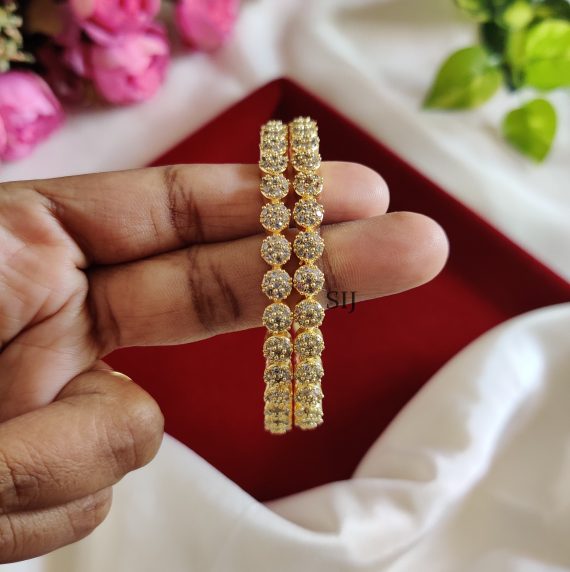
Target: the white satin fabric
(473, 475)
(372, 59)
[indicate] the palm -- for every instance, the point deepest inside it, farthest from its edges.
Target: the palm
(46, 328)
(88, 264)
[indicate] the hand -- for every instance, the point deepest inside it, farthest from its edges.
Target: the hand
(155, 256)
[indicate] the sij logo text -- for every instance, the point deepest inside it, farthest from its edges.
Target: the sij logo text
(337, 299)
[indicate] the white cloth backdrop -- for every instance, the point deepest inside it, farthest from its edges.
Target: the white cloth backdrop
(474, 474)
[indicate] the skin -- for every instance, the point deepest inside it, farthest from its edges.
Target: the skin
(154, 256)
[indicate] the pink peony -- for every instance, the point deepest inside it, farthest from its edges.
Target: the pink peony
(29, 112)
(206, 24)
(114, 15)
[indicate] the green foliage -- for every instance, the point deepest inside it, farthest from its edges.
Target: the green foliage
(531, 128)
(547, 55)
(523, 44)
(467, 79)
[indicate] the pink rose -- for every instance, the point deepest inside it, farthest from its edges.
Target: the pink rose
(125, 68)
(132, 67)
(29, 112)
(114, 15)
(206, 24)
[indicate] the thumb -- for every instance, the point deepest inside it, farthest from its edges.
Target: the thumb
(58, 462)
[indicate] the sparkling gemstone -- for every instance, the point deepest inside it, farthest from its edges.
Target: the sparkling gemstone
(308, 246)
(309, 371)
(306, 160)
(280, 409)
(308, 411)
(274, 186)
(305, 140)
(273, 126)
(309, 394)
(300, 124)
(276, 284)
(306, 421)
(308, 212)
(276, 249)
(308, 184)
(277, 372)
(273, 143)
(277, 317)
(280, 392)
(273, 163)
(278, 348)
(309, 343)
(308, 280)
(275, 217)
(308, 417)
(309, 314)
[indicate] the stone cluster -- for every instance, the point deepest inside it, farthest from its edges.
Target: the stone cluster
(308, 279)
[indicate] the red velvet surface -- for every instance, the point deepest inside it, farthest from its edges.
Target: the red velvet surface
(376, 358)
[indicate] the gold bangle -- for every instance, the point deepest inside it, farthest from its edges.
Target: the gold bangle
(276, 283)
(308, 279)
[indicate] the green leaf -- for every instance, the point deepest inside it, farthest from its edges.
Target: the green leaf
(466, 79)
(479, 10)
(531, 128)
(517, 15)
(547, 55)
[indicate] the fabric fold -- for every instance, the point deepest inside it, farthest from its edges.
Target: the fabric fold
(472, 475)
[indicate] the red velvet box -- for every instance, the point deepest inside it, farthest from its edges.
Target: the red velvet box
(376, 357)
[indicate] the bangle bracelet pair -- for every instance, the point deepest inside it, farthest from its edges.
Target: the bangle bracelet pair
(292, 357)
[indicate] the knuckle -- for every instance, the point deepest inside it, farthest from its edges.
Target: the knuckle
(20, 483)
(86, 515)
(331, 272)
(214, 300)
(184, 215)
(106, 329)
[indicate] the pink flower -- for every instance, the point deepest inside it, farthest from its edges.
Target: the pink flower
(206, 24)
(125, 68)
(132, 67)
(114, 15)
(29, 112)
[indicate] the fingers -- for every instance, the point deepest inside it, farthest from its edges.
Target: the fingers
(124, 216)
(26, 535)
(56, 462)
(215, 288)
